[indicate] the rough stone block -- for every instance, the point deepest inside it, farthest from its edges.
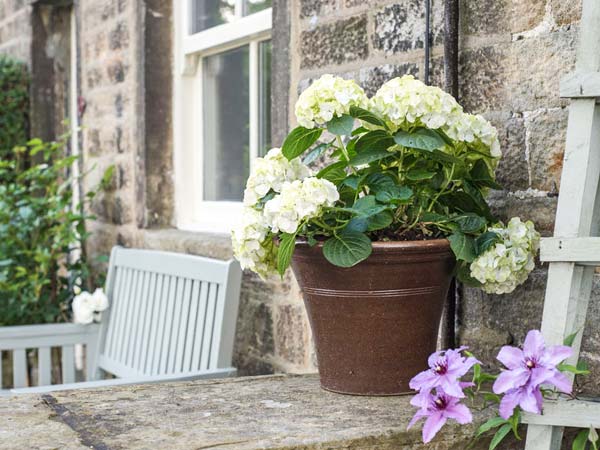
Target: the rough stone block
(371, 78)
(119, 37)
(528, 205)
(309, 8)
(501, 16)
(482, 72)
(292, 334)
(400, 27)
(116, 72)
(565, 11)
(335, 43)
(254, 332)
(536, 67)
(512, 171)
(546, 145)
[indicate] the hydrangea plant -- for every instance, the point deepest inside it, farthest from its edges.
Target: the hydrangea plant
(406, 164)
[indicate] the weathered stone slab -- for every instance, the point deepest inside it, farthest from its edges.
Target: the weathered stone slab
(275, 412)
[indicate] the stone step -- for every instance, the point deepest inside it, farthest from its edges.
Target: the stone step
(269, 412)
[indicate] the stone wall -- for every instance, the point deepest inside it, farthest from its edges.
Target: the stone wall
(15, 29)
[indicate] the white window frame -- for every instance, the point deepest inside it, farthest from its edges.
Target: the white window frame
(191, 211)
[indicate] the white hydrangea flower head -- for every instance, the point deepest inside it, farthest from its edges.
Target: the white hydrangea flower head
(252, 245)
(299, 200)
(404, 101)
(476, 130)
(327, 97)
(271, 172)
(507, 264)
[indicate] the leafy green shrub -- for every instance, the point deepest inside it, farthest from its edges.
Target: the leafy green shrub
(40, 233)
(14, 105)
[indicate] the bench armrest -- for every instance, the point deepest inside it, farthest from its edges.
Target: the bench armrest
(47, 335)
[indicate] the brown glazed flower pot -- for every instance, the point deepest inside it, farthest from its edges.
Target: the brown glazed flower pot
(375, 324)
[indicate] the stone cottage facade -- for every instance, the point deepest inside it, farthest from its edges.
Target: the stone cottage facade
(129, 74)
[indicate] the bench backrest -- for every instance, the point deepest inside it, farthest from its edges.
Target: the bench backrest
(169, 313)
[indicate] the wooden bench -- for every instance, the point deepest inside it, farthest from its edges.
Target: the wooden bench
(171, 316)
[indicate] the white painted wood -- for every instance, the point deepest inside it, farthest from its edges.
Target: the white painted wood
(50, 335)
(229, 35)
(571, 413)
(191, 212)
(179, 265)
(133, 319)
(144, 319)
(19, 368)
(158, 326)
(207, 341)
(201, 321)
(157, 347)
(68, 364)
(583, 251)
(44, 366)
(578, 84)
(192, 327)
(226, 317)
(569, 286)
(150, 323)
(183, 326)
(175, 328)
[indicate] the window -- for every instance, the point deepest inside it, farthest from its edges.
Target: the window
(222, 106)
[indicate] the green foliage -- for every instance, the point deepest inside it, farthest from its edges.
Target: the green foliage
(412, 182)
(586, 440)
(40, 231)
(14, 105)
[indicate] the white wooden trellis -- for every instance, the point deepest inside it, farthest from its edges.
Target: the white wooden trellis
(572, 253)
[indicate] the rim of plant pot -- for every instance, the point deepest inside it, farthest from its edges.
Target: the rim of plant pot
(384, 250)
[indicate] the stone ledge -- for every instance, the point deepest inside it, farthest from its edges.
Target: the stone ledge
(272, 412)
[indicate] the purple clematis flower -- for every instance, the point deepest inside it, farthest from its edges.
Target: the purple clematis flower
(528, 397)
(533, 365)
(438, 409)
(527, 370)
(445, 369)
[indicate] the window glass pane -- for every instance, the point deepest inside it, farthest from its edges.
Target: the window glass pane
(210, 13)
(264, 101)
(252, 6)
(226, 125)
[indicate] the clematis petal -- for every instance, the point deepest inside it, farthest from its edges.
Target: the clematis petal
(540, 375)
(534, 344)
(451, 386)
(556, 354)
(510, 379)
(460, 413)
(511, 357)
(422, 400)
(425, 380)
(433, 359)
(561, 381)
(531, 400)
(419, 415)
(508, 404)
(432, 425)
